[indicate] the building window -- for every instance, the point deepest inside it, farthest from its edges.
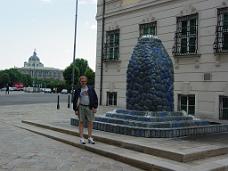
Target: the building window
(148, 29)
(187, 103)
(221, 41)
(223, 107)
(111, 99)
(186, 37)
(112, 45)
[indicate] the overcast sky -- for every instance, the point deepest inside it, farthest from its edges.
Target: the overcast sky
(48, 27)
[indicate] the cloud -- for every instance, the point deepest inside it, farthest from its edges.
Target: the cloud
(88, 1)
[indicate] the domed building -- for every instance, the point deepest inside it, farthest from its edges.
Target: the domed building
(33, 61)
(36, 69)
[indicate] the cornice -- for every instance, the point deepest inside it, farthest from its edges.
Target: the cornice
(130, 8)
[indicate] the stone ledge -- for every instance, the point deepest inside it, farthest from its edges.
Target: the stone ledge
(156, 132)
(170, 153)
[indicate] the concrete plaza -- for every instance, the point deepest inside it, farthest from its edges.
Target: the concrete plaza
(22, 150)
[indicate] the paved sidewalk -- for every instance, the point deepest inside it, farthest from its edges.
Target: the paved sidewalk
(22, 150)
(41, 112)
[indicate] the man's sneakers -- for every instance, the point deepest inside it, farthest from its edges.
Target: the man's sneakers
(91, 141)
(82, 141)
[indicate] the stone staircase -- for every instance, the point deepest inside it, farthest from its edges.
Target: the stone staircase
(170, 154)
(153, 124)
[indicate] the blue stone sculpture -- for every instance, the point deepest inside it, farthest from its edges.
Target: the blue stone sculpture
(150, 77)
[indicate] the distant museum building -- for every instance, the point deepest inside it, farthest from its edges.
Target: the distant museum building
(36, 69)
(195, 34)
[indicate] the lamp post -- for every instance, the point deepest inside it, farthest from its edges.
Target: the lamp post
(74, 53)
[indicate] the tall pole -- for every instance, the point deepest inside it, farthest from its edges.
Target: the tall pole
(102, 51)
(75, 39)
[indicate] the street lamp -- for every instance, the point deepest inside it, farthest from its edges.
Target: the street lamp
(75, 38)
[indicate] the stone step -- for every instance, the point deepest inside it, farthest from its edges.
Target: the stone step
(179, 151)
(134, 158)
(147, 119)
(155, 132)
(165, 124)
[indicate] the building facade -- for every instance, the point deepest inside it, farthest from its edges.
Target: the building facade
(36, 69)
(195, 34)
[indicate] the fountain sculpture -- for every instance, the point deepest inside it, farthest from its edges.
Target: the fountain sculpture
(150, 110)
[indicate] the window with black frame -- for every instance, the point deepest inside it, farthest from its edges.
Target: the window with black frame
(187, 103)
(221, 42)
(112, 45)
(186, 37)
(111, 99)
(148, 29)
(223, 107)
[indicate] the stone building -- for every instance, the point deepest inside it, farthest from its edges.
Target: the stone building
(195, 34)
(36, 69)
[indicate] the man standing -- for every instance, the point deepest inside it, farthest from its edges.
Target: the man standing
(85, 104)
(7, 89)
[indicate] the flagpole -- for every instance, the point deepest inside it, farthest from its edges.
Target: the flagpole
(74, 53)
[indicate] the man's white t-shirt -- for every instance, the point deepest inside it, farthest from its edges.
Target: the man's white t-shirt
(84, 96)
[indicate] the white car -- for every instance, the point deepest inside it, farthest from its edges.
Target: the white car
(3, 89)
(64, 91)
(47, 90)
(10, 89)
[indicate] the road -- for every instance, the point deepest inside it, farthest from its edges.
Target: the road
(18, 98)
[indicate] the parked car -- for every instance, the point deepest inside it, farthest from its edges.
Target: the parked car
(47, 90)
(64, 91)
(10, 89)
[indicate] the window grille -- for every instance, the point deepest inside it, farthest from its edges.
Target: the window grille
(207, 76)
(111, 99)
(111, 51)
(221, 41)
(148, 29)
(186, 36)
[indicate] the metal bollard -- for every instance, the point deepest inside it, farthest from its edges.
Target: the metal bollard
(68, 105)
(58, 106)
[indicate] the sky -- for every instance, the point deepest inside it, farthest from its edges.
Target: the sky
(48, 27)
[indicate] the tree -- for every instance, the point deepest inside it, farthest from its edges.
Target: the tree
(67, 74)
(90, 75)
(4, 79)
(26, 80)
(81, 68)
(82, 65)
(12, 76)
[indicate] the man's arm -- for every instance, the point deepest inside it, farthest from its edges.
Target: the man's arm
(95, 98)
(75, 100)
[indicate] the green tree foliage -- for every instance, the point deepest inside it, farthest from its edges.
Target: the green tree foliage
(67, 74)
(81, 68)
(82, 65)
(27, 80)
(90, 75)
(4, 79)
(11, 76)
